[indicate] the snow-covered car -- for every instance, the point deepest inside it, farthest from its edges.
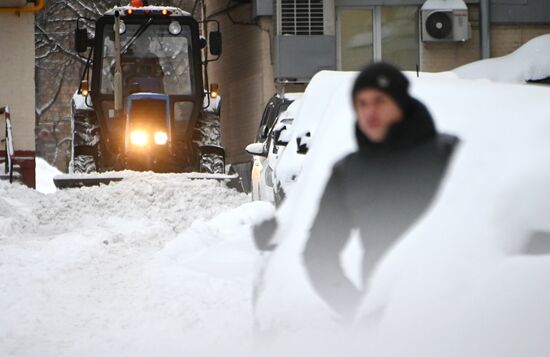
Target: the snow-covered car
(265, 149)
(290, 162)
(461, 280)
(528, 64)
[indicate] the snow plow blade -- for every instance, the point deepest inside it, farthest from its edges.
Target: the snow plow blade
(76, 181)
(82, 180)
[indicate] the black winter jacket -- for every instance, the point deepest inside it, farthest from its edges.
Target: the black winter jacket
(381, 190)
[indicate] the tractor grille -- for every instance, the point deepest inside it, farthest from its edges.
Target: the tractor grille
(302, 17)
(148, 114)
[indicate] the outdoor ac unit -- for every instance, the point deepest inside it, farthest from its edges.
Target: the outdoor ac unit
(304, 17)
(445, 21)
(305, 41)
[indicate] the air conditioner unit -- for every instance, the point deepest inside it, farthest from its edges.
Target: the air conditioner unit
(445, 21)
(305, 41)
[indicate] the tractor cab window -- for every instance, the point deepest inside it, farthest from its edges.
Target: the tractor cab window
(155, 61)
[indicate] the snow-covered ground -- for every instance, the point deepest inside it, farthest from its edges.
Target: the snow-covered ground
(162, 264)
(44, 176)
(156, 264)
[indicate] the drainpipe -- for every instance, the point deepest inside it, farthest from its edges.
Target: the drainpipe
(37, 7)
(485, 28)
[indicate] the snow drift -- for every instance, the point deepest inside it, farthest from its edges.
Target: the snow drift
(155, 264)
(44, 176)
(461, 282)
(530, 62)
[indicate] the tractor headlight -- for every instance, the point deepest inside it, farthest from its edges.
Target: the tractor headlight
(161, 138)
(174, 28)
(139, 138)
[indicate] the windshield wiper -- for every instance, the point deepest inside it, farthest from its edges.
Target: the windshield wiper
(136, 35)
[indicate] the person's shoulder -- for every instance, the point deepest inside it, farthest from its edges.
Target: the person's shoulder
(343, 164)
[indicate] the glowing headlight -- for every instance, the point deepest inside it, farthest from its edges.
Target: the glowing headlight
(161, 138)
(139, 138)
(174, 28)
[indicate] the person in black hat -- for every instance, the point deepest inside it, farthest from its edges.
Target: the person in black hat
(381, 189)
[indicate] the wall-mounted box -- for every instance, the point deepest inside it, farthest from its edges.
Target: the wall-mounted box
(298, 58)
(262, 8)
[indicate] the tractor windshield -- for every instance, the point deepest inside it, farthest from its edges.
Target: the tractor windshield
(155, 61)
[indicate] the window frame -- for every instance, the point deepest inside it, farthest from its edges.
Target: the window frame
(376, 31)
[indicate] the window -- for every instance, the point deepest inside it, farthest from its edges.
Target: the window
(356, 38)
(388, 33)
(155, 61)
(400, 43)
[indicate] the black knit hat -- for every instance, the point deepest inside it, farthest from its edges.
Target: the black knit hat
(386, 78)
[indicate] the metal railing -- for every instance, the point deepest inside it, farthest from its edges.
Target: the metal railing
(8, 141)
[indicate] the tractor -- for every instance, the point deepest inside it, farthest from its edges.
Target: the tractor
(144, 102)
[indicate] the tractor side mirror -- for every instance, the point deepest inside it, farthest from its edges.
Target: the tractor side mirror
(215, 43)
(81, 40)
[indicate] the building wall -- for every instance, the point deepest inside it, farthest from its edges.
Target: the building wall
(508, 38)
(244, 73)
(17, 88)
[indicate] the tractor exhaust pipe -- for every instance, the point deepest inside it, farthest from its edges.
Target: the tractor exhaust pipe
(118, 67)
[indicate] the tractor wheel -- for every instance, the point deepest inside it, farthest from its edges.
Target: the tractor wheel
(208, 131)
(84, 164)
(86, 138)
(208, 140)
(212, 162)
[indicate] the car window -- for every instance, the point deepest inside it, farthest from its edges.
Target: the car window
(270, 107)
(278, 110)
(273, 109)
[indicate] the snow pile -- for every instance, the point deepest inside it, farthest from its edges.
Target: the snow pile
(461, 282)
(529, 62)
(154, 264)
(164, 264)
(45, 174)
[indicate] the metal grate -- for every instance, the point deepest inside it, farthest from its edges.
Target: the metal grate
(302, 17)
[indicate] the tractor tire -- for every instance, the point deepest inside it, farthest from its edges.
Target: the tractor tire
(86, 138)
(208, 135)
(208, 131)
(212, 164)
(84, 164)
